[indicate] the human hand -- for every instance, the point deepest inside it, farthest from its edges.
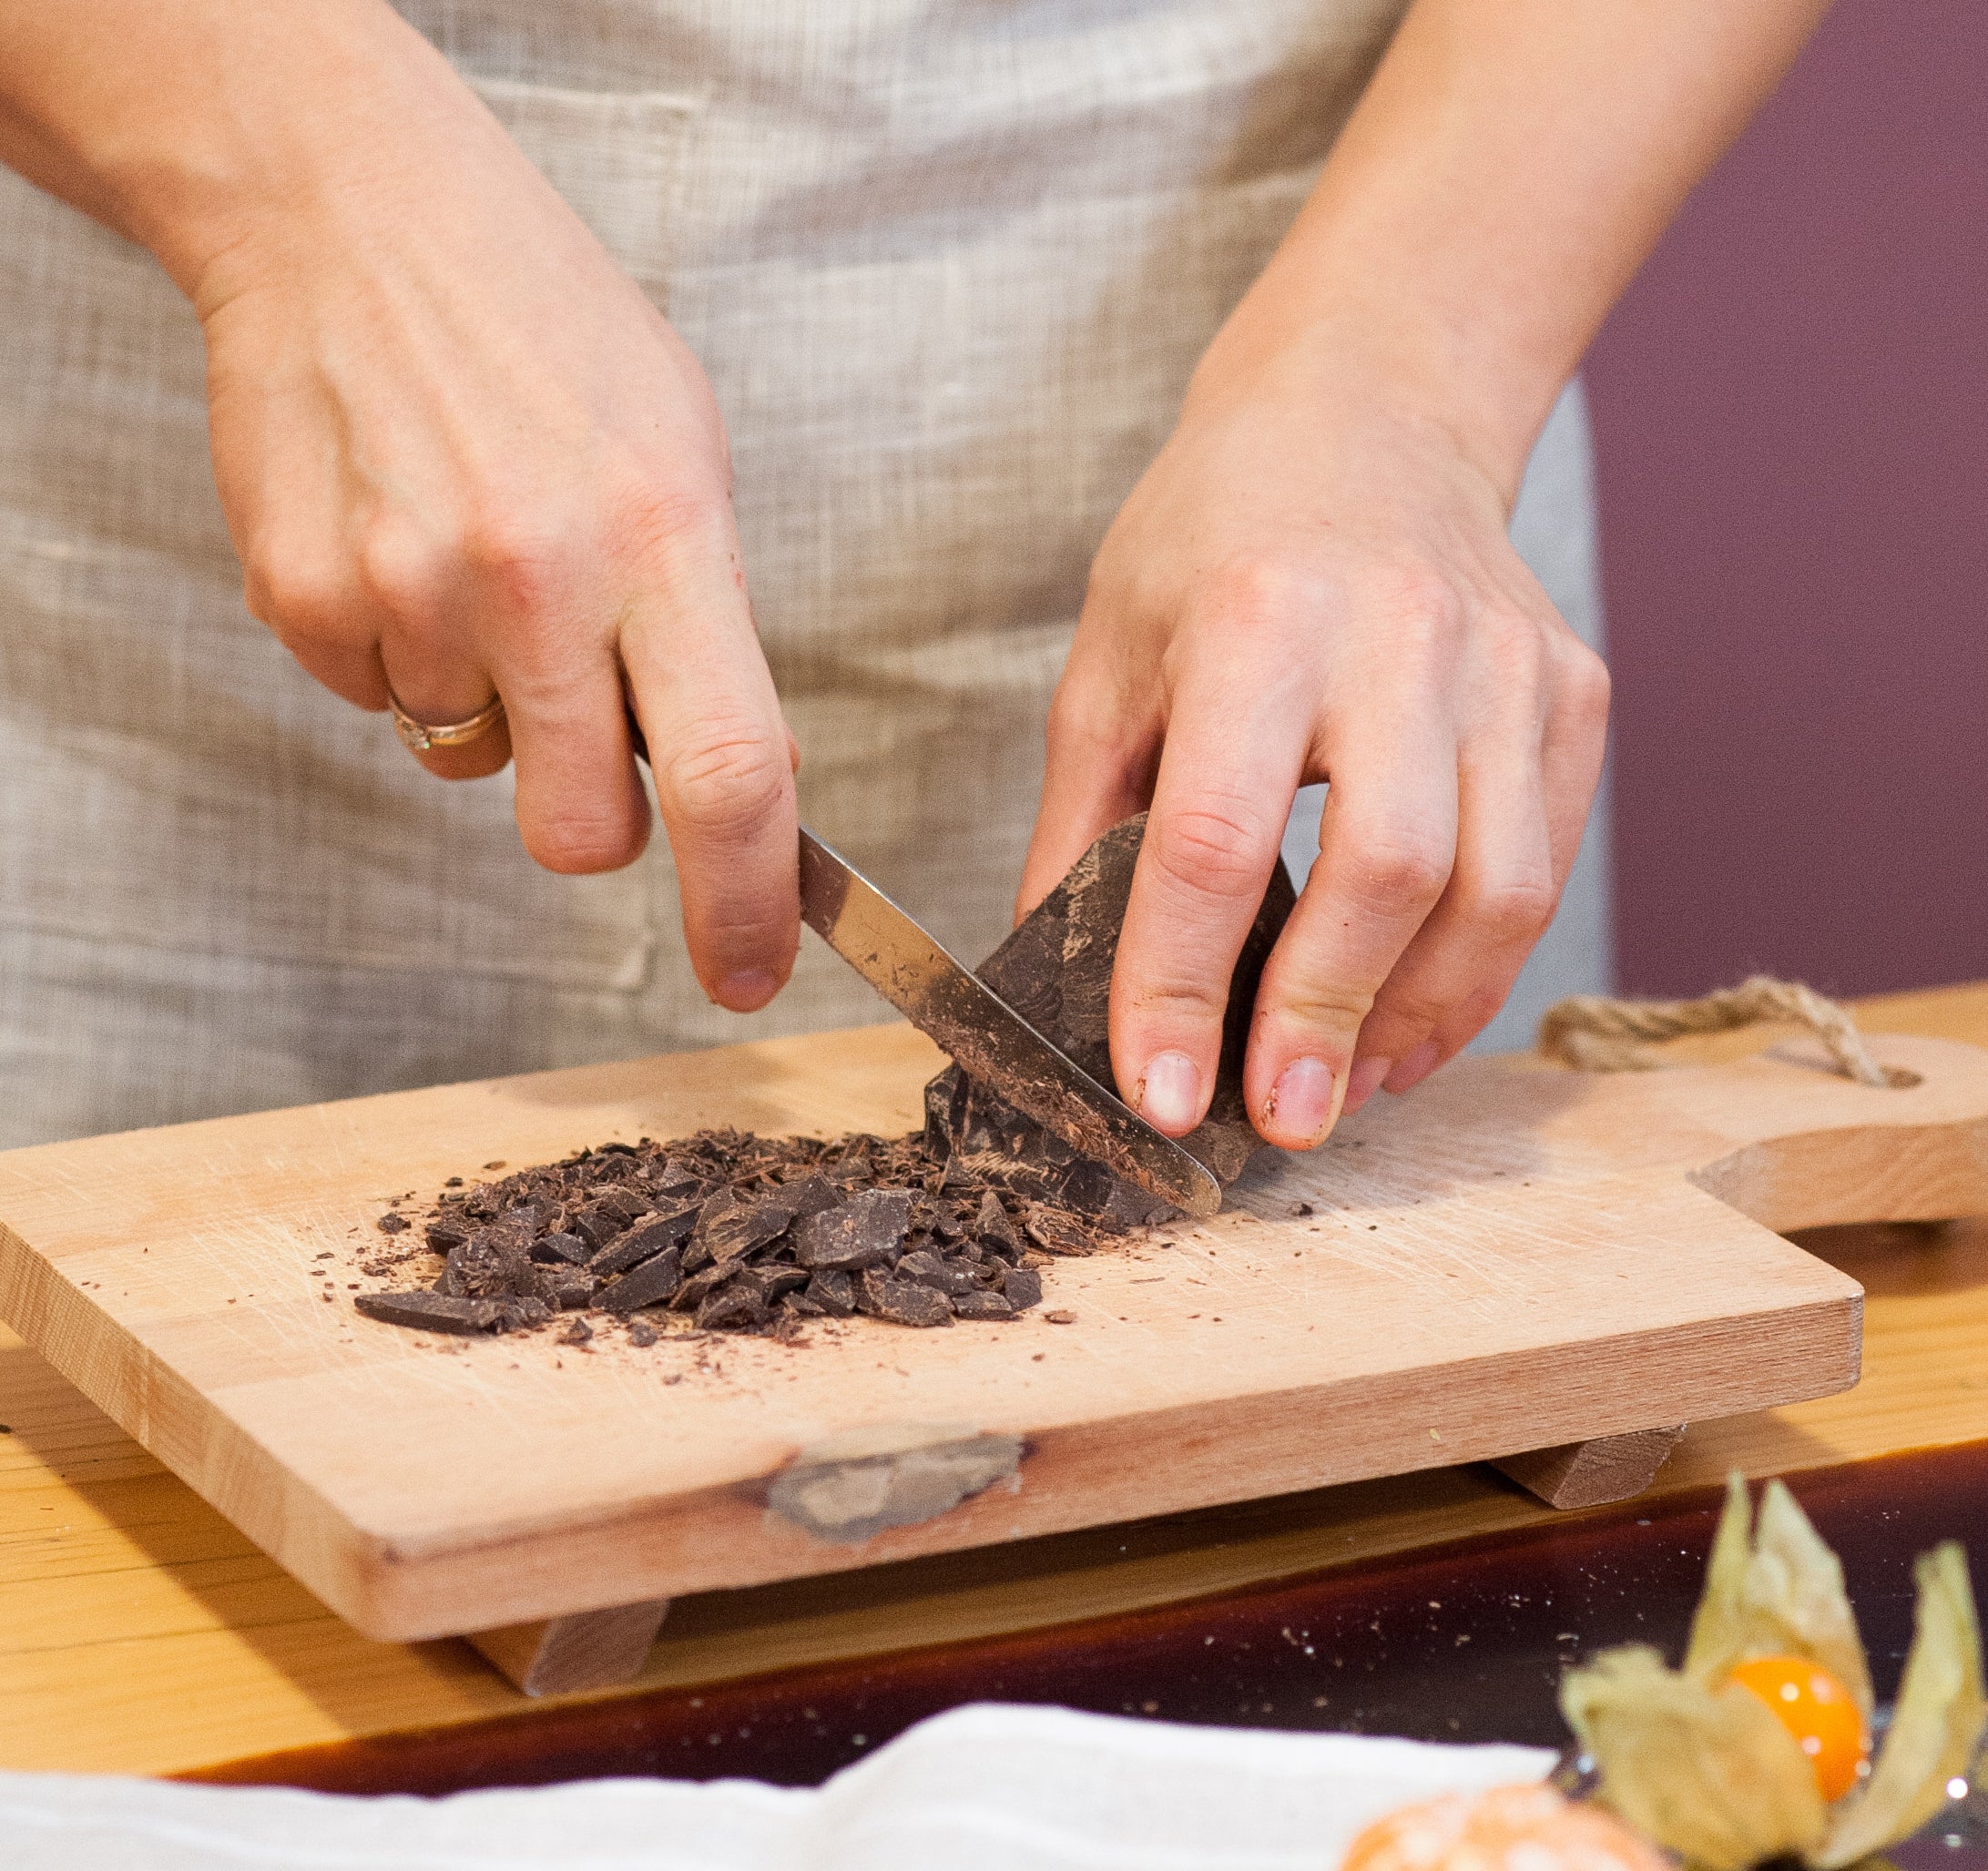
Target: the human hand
(462, 454)
(1313, 583)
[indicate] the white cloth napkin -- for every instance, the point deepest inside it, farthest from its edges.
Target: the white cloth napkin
(984, 1788)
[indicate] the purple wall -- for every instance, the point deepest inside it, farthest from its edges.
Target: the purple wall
(1791, 411)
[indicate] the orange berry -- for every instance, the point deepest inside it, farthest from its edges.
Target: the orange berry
(1818, 1710)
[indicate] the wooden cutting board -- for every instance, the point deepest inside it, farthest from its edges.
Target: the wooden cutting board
(1512, 1257)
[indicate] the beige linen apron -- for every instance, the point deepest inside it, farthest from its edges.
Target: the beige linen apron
(948, 267)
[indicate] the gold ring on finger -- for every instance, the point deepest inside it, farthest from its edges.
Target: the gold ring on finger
(418, 736)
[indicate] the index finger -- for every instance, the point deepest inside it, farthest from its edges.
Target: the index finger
(1228, 772)
(719, 751)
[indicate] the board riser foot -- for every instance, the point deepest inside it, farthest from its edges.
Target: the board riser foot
(588, 1650)
(1593, 1473)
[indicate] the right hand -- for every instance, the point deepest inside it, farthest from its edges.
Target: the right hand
(461, 453)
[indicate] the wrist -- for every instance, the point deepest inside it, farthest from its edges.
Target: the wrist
(1356, 346)
(257, 127)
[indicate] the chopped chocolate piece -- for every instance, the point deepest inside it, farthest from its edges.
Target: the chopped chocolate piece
(391, 1224)
(728, 1225)
(441, 1235)
(1056, 1232)
(691, 1294)
(553, 1249)
(770, 1282)
(929, 1270)
(814, 1194)
(433, 1312)
(734, 1306)
(673, 1177)
(655, 1281)
(623, 1204)
(488, 1265)
(902, 1302)
(995, 1229)
(864, 1232)
(577, 1333)
(534, 1215)
(1060, 1318)
(982, 1306)
(571, 1291)
(640, 1244)
(833, 1292)
(596, 1225)
(907, 1303)
(1023, 1287)
(641, 1333)
(524, 1311)
(801, 1306)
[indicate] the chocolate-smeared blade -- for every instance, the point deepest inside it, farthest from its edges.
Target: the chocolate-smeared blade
(989, 1038)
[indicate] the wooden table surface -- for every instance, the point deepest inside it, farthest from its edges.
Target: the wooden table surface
(139, 1632)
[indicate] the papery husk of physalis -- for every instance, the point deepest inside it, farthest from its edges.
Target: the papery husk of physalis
(1706, 1772)
(1936, 1723)
(1774, 1590)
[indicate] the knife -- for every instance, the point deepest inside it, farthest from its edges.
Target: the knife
(989, 1038)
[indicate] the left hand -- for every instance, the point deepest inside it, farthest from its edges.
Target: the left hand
(1313, 581)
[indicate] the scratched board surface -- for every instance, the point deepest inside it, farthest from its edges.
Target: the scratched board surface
(1511, 1257)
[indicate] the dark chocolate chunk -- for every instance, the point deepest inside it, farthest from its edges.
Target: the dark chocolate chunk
(864, 1232)
(675, 1178)
(770, 1282)
(560, 1247)
(1023, 1287)
(1055, 969)
(982, 1306)
(833, 1292)
(691, 1294)
(655, 1281)
(577, 1333)
(1056, 1232)
(728, 1225)
(801, 1306)
(624, 1204)
(641, 1333)
(572, 1290)
(734, 1306)
(639, 1244)
(534, 1215)
(930, 1270)
(596, 1225)
(995, 1229)
(487, 1265)
(391, 1224)
(1060, 1318)
(433, 1312)
(814, 1194)
(902, 1302)
(446, 1234)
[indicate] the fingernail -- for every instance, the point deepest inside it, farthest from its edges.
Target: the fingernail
(1301, 1102)
(1170, 1094)
(1415, 1068)
(748, 990)
(1363, 1081)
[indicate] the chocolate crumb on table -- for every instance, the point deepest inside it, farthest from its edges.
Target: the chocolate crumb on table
(739, 1232)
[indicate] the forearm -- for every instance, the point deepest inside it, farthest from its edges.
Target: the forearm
(1511, 166)
(191, 127)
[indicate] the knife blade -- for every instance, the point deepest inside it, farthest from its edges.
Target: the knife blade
(990, 1040)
